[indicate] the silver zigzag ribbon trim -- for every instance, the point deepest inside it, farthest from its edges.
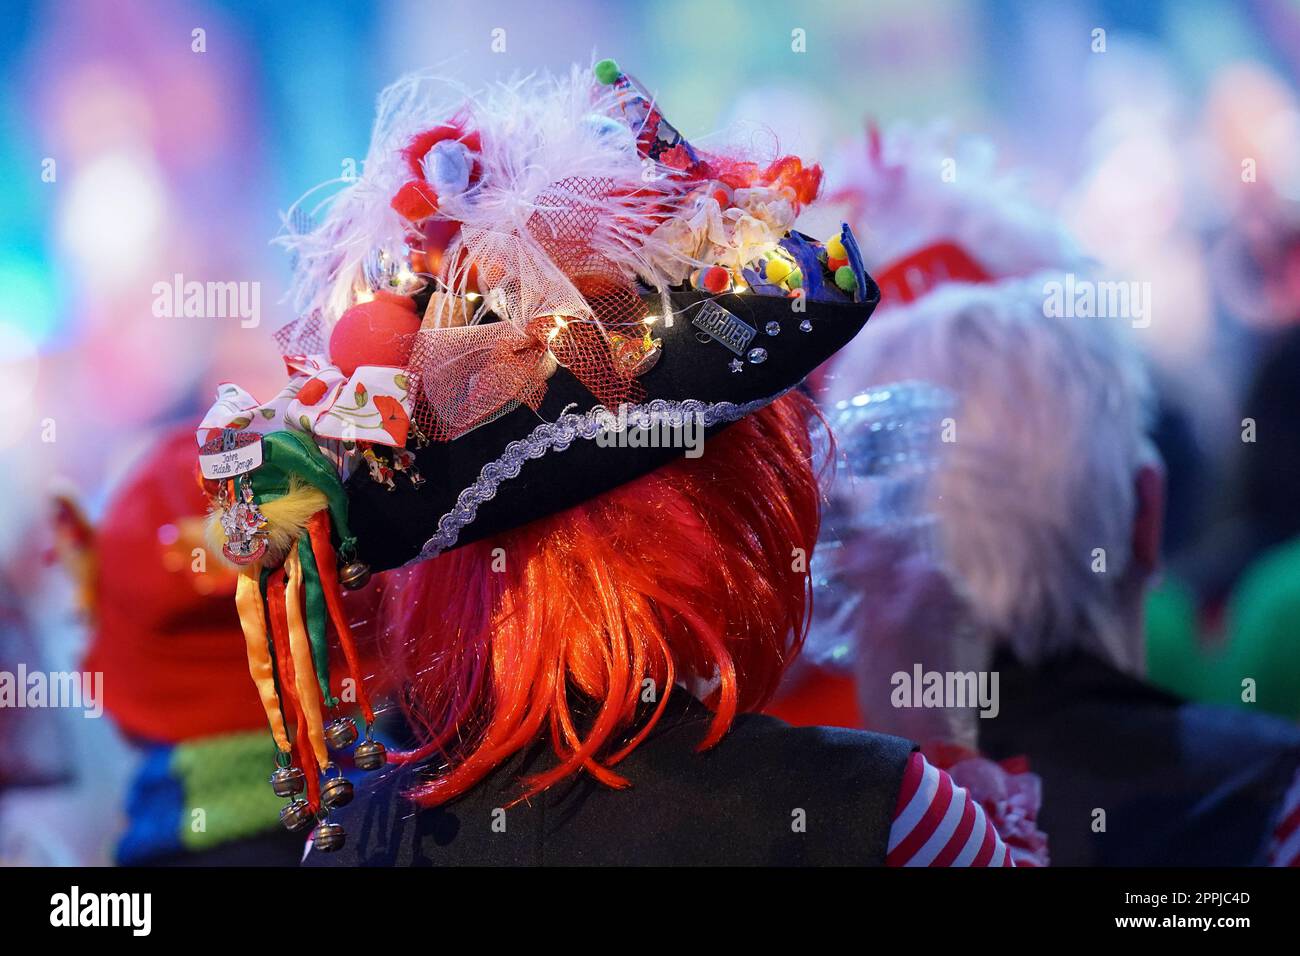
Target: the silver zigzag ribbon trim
(558, 436)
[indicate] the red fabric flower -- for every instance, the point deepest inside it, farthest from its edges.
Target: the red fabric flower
(396, 422)
(312, 392)
(417, 200)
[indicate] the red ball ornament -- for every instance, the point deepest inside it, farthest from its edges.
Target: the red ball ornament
(379, 332)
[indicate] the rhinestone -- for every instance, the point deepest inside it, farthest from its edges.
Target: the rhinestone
(805, 326)
(757, 356)
(772, 328)
(735, 365)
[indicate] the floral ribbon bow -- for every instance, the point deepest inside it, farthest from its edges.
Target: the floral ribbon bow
(373, 404)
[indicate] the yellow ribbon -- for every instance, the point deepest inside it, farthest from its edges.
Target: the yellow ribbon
(248, 600)
(304, 672)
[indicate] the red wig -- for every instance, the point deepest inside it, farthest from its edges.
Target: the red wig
(695, 573)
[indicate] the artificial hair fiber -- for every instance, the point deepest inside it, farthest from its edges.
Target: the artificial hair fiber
(1051, 418)
(577, 628)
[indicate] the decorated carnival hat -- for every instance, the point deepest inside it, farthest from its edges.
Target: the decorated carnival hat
(518, 277)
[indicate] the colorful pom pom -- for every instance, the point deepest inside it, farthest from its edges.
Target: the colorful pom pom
(415, 201)
(447, 168)
(776, 271)
(715, 279)
(845, 279)
(835, 263)
(607, 72)
(835, 249)
(795, 279)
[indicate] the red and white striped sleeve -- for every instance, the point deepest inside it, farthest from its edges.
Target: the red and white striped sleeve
(937, 823)
(1284, 850)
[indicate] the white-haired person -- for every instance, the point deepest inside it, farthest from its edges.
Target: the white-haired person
(993, 542)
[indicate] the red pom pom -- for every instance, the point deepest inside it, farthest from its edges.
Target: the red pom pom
(416, 201)
(380, 332)
(715, 279)
(834, 262)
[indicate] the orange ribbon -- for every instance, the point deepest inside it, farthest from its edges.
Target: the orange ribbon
(248, 601)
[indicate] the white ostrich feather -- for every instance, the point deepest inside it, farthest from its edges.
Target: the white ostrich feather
(537, 133)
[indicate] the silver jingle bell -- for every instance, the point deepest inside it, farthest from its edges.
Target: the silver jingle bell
(336, 792)
(296, 816)
(341, 732)
(354, 576)
(288, 781)
(328, 837)
(369, 755)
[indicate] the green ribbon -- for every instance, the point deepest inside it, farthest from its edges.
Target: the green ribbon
(292, 454)
(289, 455)
(314, 602)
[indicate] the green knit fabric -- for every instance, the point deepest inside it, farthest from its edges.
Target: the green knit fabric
(227, 778)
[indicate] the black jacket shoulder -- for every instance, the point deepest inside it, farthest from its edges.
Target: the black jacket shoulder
(767, 794)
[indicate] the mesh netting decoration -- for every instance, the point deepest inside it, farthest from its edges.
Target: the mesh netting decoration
(305, 335)
(556, 300)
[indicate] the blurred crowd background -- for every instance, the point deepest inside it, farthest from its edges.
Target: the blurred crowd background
(1169, 142)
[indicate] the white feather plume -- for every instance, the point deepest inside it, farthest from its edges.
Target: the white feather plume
(537, 131)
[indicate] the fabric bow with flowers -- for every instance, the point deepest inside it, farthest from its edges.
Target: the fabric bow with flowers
(373, 404)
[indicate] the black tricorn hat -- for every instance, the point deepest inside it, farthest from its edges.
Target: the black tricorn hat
(722, 357)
